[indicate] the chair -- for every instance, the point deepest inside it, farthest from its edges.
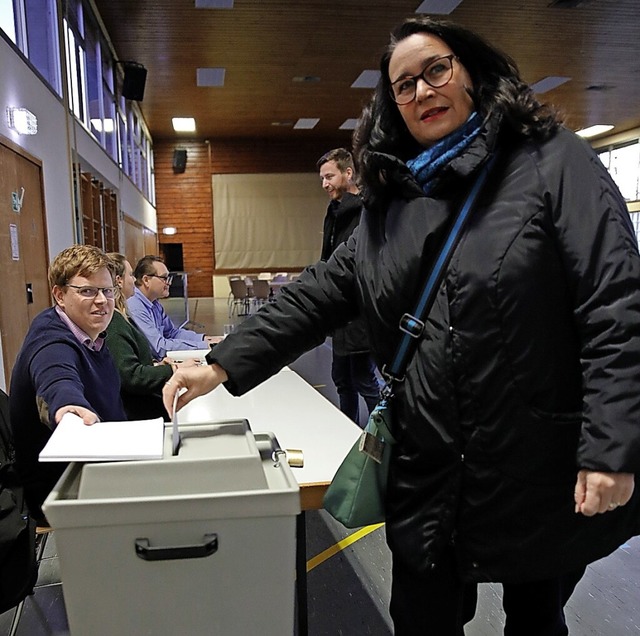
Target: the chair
(240, 301)
(42, 534)
(230, 278)
(261, 292)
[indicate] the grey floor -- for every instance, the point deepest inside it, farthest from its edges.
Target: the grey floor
(348, 593)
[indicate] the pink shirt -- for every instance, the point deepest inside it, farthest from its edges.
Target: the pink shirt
(80, 335)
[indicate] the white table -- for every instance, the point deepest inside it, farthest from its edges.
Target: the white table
(300, 418)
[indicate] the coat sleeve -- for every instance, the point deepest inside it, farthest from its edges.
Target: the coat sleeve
(600, 257)
(54, 371)
(305, 312)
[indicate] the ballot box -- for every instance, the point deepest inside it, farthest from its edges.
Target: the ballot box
(201, 542)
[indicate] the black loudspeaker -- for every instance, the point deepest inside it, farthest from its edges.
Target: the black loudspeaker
(179, 161)
(135, 77)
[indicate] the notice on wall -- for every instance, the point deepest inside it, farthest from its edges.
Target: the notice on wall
(15, 245)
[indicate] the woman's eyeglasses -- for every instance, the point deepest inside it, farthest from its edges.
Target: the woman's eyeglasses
(87, 291)
(437, 73)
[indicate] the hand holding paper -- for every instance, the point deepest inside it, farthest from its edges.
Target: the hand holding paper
(73, 440)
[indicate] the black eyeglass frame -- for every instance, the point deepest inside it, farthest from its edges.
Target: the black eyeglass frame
(167, 278)
(108, 292)
(421, 75)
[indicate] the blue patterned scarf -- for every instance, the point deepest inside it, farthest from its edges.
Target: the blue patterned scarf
(427, 163)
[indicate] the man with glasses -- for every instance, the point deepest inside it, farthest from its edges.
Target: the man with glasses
(64, 366)
(152, 283)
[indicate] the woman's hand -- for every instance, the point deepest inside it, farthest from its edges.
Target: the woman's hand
(88, 417)
(197, 380)
(597, 492)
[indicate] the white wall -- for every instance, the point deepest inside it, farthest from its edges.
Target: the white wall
(60, 138)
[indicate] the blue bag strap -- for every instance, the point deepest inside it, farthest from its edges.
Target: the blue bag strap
(413, 325)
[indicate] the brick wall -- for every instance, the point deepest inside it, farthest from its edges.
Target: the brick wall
(184, 201)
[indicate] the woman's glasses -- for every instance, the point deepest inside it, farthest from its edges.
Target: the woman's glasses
(436, 73)
(87, 291)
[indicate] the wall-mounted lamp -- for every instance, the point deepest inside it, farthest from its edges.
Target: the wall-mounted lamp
(23, 121)
(169, 231)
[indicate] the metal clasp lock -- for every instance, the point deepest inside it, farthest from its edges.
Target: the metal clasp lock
(411, 325)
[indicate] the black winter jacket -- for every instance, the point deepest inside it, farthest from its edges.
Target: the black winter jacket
(341, 219)
(528, 369)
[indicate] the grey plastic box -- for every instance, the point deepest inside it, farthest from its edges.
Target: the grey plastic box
(201, 543)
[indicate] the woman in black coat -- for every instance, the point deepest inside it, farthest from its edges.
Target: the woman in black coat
(518, 421)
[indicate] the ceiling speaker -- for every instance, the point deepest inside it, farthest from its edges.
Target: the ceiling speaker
(135, 77)
(179, 160)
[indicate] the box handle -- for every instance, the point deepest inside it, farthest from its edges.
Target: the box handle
(145, 551)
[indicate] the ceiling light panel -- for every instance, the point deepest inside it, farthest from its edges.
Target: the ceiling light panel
(443, 7)
(593, 131)
(210, 76)
(184, 124)
(348, 124)
(306, 124)
(549, 83)
(367, 79)
(214, 4)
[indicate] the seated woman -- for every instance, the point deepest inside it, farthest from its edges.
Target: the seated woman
(141, 376)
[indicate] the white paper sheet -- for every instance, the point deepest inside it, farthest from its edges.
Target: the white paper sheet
(73, 440)
(188, 354)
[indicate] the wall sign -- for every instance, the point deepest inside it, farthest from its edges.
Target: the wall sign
(16, 200)
(15, 245)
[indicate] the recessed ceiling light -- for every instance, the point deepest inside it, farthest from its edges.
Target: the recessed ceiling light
(306, 124)
(348, 124)
(367, 79)
(184, 124)
(214, 4)
(443, 7)
(593, 131)
(548, 83)
(210, 76)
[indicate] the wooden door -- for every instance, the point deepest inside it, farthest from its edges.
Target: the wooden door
(24, 255)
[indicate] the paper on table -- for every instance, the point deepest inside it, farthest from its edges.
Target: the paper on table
(73, 440)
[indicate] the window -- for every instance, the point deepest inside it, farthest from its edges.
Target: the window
(623, 163)
(32, 25)
(94, 87)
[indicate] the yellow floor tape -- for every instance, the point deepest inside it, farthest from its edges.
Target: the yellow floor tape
(341, 545)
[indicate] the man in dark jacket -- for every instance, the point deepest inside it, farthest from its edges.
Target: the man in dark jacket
(352, 369)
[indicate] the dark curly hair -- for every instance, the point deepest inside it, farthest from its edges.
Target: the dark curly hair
(497, 89)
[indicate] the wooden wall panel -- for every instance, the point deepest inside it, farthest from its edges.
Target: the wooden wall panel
(184, 200)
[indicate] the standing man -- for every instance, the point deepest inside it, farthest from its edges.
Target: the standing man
(152, 283)
(64, 366)
(352, 369)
